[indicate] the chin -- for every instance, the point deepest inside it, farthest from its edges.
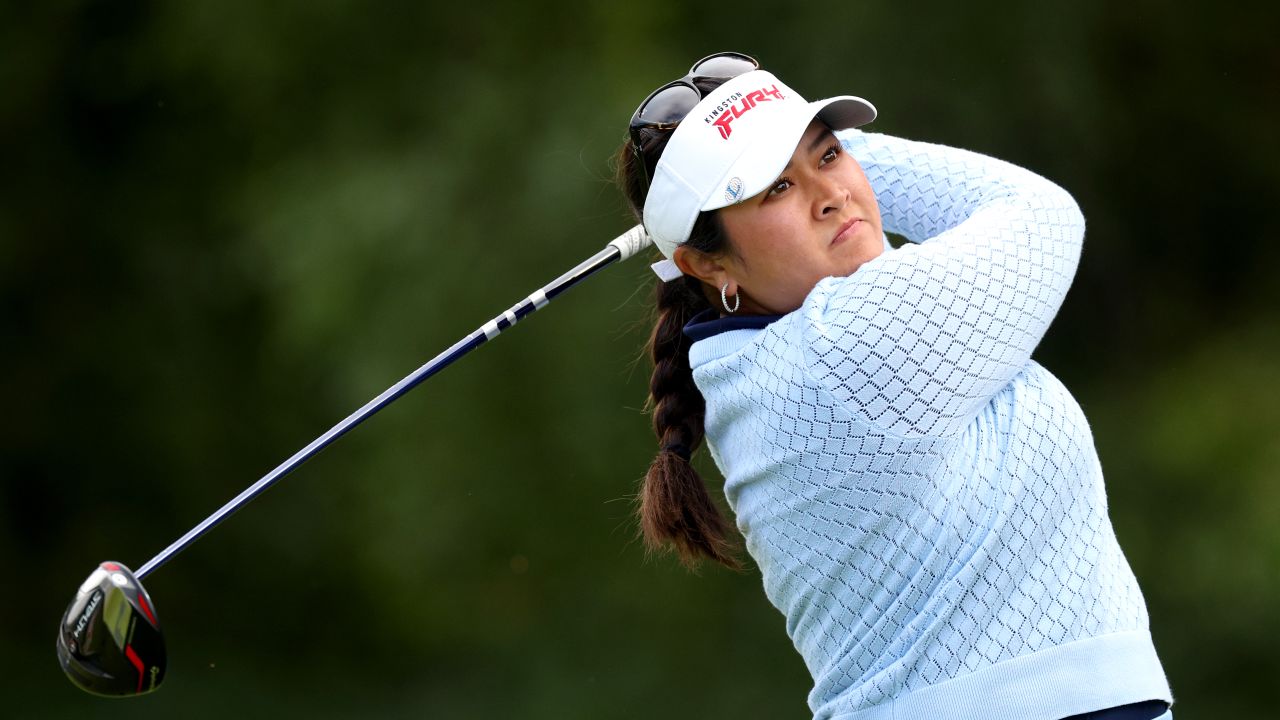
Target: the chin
(848, 266)
(870, 250)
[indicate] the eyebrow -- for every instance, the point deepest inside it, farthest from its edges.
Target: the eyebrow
(822, 138)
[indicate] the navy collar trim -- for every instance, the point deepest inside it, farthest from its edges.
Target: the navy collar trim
(708, 323)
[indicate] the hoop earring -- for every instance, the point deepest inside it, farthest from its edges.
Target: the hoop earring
(724, 300)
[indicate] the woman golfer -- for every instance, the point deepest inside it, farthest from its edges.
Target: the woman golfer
(924, 501)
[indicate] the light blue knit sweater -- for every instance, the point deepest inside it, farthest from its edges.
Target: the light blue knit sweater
(923, 500)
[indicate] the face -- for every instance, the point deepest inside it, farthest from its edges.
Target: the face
(819, 219)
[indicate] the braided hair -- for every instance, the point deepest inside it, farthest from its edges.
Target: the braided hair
(675, 509)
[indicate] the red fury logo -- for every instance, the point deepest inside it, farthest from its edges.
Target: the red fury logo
(734, 112)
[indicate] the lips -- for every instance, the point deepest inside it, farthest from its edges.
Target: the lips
(846, 230)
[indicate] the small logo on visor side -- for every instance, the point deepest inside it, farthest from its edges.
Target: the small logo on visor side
(733, 191)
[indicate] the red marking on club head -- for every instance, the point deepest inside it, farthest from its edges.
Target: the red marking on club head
(110, 566)
(142, 600)
(137, 662)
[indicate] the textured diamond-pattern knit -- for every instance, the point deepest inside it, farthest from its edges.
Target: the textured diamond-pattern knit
(924, 501)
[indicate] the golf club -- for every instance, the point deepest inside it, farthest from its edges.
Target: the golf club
(109, 641)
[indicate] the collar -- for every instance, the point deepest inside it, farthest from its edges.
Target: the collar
(708, 323)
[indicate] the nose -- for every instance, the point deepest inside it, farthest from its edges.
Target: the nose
(830, 197)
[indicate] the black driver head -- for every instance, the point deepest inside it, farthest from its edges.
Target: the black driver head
(109, 642)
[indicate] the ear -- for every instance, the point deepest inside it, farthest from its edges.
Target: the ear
(706, 268)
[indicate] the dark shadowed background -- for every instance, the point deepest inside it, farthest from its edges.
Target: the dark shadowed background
(225, 225)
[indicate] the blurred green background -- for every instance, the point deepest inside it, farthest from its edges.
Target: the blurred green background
(225, 225)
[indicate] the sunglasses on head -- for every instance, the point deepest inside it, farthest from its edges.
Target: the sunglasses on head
(669, 104)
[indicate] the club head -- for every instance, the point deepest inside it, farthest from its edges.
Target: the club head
(109, 642)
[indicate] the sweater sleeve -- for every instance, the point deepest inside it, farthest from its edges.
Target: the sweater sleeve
(917, 341)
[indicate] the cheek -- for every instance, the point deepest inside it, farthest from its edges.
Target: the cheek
(758, 232)
(860, 187)
(775, 234)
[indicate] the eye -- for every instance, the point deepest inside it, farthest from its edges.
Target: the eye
(780, 187)
(831, 154)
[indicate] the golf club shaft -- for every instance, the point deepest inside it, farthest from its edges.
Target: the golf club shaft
(622, 247)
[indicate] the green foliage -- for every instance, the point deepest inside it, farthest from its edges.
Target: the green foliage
(226, 225)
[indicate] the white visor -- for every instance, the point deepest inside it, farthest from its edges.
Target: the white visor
(733, 145)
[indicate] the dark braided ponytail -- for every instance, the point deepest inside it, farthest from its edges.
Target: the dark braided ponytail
(676, 511)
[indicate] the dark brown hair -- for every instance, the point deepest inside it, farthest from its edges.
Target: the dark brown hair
(675, 508)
